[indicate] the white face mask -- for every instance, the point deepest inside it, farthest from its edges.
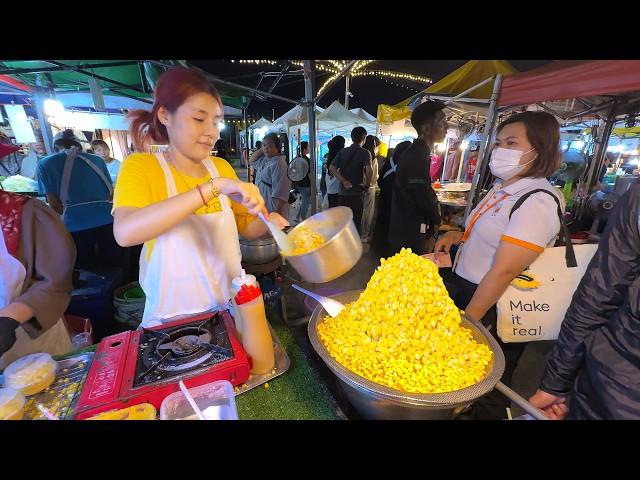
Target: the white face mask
(505, 163)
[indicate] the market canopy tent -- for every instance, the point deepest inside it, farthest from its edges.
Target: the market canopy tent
(261, 123)
(598, 89)
(571, 79)
(256, 130)
(128, 78)
(337, 118)
(294, 117)
(464, 78)
(334, 120)
(362, 113)
(107, 86)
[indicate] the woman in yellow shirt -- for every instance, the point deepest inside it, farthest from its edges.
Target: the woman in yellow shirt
(186, 207)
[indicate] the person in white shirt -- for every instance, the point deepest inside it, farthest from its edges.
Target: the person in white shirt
(372, 144)
(336, 144)
(101, 148)
(498, 245)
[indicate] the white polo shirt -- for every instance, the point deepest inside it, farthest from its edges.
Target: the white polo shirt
(534, 225)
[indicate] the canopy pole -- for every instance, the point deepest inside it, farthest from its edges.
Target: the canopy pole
(344, 71)
(598, 158)
(241, 87)
(460, 95)
(45, 126)
(309, 77)
(483, 153)
(246, 141)
(346, 91)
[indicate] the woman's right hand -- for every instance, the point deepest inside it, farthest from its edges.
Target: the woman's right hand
(446, 241)
(246, 194)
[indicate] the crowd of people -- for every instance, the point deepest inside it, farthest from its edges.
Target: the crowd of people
(185, 210)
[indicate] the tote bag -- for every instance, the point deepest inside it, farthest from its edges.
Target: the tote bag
(535, 303)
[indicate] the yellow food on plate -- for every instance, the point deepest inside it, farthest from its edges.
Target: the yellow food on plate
(303, 241)
(404, 331)
(31, 374)
(144, 411)
(11, 404)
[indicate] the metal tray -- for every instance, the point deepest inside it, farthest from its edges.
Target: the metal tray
(282, 365)
(71, 374)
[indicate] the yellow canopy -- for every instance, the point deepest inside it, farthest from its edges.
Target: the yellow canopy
(471, 73)
(626, 132)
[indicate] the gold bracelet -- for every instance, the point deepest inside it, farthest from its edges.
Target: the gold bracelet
(215, 190)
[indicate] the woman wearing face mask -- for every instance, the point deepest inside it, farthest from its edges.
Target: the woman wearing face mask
(185, 206)
(494, 248)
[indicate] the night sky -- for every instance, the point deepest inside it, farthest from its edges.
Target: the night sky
(368, 91)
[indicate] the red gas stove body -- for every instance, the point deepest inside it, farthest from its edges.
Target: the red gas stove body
(111, 381)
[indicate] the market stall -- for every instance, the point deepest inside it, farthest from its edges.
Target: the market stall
(467, 93)
(594, 94)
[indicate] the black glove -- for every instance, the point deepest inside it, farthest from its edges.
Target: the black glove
(8, 328)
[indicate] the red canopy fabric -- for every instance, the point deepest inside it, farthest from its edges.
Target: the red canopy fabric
(570, 79)
(15, 83)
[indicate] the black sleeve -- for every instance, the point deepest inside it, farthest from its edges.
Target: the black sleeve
(601, 293)
(418, 185)
(385, 168)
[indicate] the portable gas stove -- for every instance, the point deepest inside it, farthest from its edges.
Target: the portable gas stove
(145, 365)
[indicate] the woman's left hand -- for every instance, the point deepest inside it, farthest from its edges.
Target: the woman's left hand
(554, 406)
(278, 220)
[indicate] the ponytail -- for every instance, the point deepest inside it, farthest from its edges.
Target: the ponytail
(145, 129)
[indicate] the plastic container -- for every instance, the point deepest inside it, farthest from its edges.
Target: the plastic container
(236, 285)
(80, 330)
(242, 279)
(256, 336)
(144, 411)
(11, 404)
(128, 302)
(134, 293)
(216, 401)
(31, 374)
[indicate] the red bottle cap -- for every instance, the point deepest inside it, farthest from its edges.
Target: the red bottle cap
(247, 293)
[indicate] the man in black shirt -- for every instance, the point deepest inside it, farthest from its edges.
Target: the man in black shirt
(352, 168)
(414, 205)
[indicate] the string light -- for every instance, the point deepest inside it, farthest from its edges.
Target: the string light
(359, 69)
(389, 74)
(256, 62)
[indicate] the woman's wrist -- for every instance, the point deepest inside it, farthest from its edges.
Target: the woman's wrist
(213, 188)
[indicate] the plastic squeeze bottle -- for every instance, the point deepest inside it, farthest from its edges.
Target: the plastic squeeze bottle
(236, 285)
(256, 337)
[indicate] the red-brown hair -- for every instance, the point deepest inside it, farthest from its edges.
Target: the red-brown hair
(172, 90)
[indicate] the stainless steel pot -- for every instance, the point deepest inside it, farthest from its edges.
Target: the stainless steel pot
(375, 401)
(259, 251)
(338, 255)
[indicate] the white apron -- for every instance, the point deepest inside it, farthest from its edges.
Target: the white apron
(191, 265)
(54, 341)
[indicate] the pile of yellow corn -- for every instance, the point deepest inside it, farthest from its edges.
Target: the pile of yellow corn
(304, 240)
(404, 331)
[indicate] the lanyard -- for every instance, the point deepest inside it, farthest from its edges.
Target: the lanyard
(482, 209)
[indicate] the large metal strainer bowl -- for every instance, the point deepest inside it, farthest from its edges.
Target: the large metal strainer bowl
(375, 401)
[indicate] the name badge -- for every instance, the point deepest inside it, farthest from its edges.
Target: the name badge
(423, 228)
